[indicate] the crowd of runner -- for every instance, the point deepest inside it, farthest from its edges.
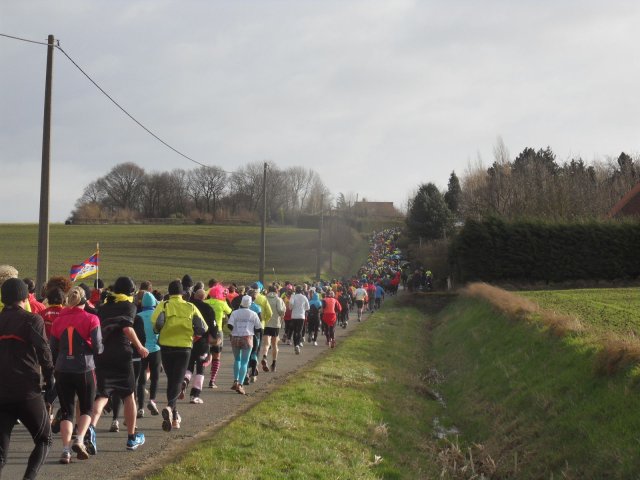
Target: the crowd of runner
(80, 353)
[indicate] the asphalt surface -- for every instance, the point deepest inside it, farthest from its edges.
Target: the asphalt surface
(220, 406)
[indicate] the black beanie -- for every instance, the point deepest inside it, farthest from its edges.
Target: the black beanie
(124, 285)
(13, 290)
(187, 282)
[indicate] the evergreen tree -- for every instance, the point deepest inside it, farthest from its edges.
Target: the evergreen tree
(452, 196)
(428, 216)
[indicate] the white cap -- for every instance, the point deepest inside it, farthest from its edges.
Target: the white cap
(246, 301)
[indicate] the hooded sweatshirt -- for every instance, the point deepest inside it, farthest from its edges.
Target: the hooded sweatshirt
(149, 303)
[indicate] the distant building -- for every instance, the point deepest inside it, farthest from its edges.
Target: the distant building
(628, 206)
(376, 209)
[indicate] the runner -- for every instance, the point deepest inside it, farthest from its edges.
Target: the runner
(272, 329)
(329, 308)
(360, 297)
(200, 350)
(221, 308)
(244, 324)
(114, 367)
(152, 361)
(75, 339)
(299, 306)
(313, 318)
(24, 352)
(178, 323)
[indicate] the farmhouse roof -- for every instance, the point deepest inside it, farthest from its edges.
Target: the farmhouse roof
(376, 209)
(629, 205)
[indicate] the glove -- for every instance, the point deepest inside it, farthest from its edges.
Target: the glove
(49, 383)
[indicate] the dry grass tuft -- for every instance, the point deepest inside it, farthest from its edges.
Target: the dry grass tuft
(474, 463)
(380, 435)
(517, 307)
(617, 354)
(511, 304)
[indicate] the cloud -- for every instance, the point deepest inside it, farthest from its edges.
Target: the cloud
(377, 96)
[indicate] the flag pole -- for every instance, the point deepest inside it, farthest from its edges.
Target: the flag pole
(97, 263)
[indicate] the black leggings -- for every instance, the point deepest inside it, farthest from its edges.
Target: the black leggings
(34, 417)
(68, 385)
(297, 324)
(174, 362)
(288, 329)
(153, 362)
(313, 324)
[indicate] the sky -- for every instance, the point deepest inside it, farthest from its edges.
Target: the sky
(376, 96)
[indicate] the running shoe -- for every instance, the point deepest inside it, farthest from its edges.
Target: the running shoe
(65, 458)
(196, 400)
(55, 423)
(153, 408)
(176, 422)
(333, 343)
(115, 426)
(90, 440)
(140, 413)
(265, 367)
(297, 349)
(212, 384)
(135, 440)
(167, 414)
(234, 386)
(273, 366)
(185, 382)
(240, 390)
(246, 380)
(79, 448)
(315, 344)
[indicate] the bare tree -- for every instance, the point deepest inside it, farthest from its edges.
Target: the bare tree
(123, 186)
(206, 185)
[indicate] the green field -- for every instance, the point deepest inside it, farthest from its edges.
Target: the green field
(602, 311)
(161, 253)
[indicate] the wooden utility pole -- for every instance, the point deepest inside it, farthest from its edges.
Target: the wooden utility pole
(43, 227)
(263, 225)
(330, 239)
(319, 256)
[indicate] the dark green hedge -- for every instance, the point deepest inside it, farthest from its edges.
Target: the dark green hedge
(492, 249)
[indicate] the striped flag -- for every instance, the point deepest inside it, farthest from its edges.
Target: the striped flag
(85, 269)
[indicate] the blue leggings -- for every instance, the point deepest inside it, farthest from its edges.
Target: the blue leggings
(240, 363)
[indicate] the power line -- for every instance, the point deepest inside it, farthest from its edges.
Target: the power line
(23, 39)
(116, 103)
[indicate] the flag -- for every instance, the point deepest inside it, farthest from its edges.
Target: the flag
(85, 269)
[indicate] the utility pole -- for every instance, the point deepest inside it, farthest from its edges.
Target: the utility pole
(263, 231)
(43, 227)
(330, 239)
(319, 256)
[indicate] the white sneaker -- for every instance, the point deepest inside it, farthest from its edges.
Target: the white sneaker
(115, 426)
(315, 344)
(297, 350)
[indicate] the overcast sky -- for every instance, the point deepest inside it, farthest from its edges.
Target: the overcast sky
(377, 96)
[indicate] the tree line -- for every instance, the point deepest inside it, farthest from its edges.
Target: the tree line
(533, 185)
(205, 194)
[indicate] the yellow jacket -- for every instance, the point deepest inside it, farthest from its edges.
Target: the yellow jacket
(178, 322)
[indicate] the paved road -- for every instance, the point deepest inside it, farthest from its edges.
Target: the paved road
(220, 406)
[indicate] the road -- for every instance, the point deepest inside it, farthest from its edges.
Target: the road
(220, 405)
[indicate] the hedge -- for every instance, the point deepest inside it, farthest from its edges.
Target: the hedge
(495, 250)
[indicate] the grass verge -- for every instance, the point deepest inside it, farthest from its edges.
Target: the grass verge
(355, 413)
(531, 399)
